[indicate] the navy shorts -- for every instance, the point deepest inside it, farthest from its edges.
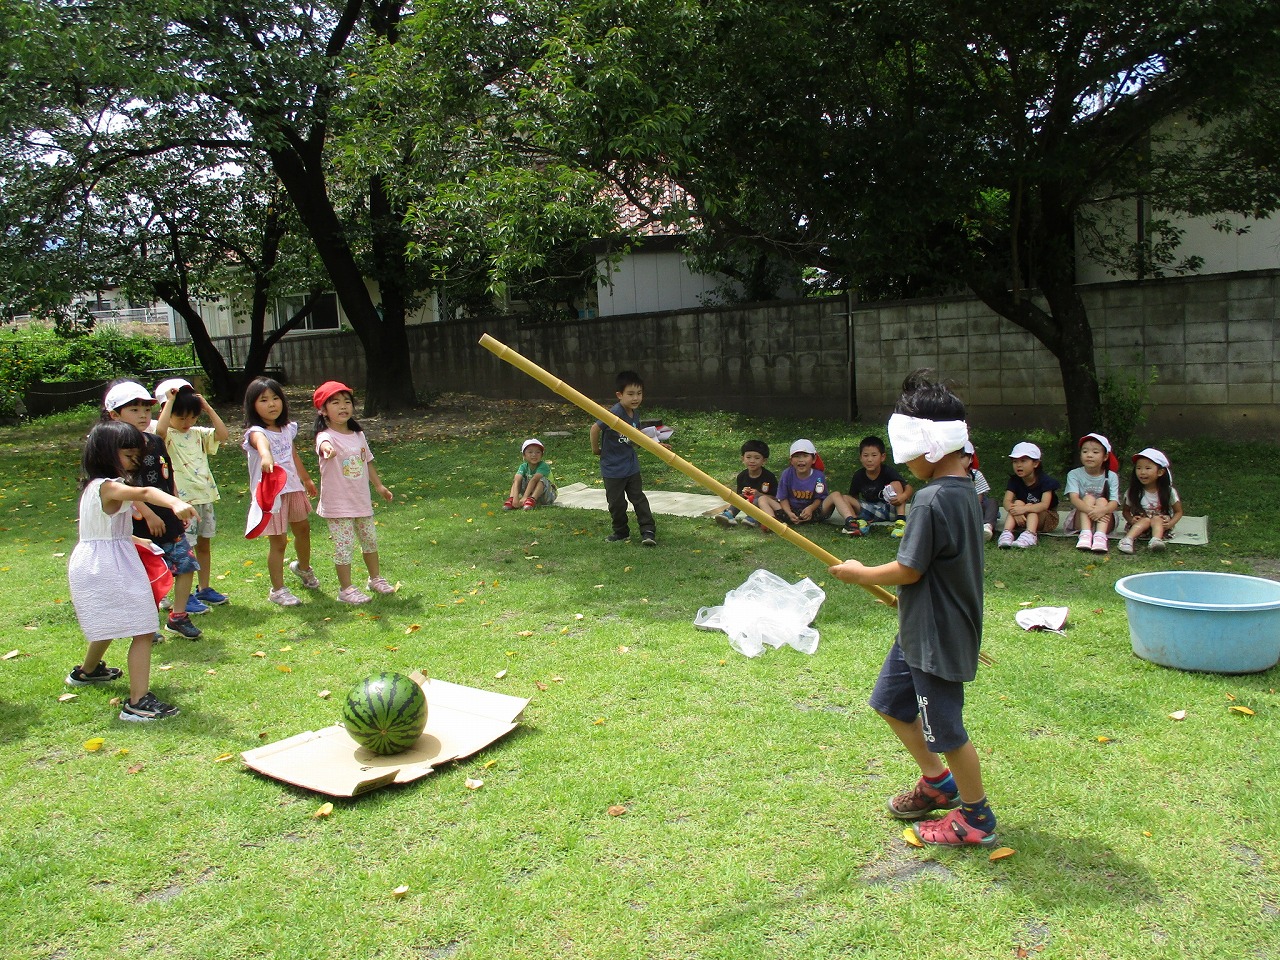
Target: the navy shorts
(179, 557)
(904, 693)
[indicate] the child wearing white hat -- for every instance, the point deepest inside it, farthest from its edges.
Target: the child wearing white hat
(1030, 499)
(1093, 488)
(1151, 503)
(532, 483)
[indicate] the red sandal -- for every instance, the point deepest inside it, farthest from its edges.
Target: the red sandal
(529, 503)
(509, 503)
(953, 830)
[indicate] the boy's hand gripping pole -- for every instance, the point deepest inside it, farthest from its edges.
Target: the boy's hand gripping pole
(558, 386)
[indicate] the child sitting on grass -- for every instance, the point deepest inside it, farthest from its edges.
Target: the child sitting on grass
(1094, 491)
(532, 483)
(753, 483)
(1030, 499)
(877, 492)
(1151, 503)
(802, 490)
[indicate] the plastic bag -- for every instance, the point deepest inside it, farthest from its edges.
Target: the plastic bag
(766, 611)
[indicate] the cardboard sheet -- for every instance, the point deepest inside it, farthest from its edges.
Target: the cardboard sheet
(461, 721)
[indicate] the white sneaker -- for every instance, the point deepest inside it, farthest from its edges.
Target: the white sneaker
(987, 532)
(1006, 540)
(379, 585)
(1125, 545)
(283, 597)
(1085, 540)
(306, 575)
(1157, 544)
(1026, 540)
(351, 595)
(1100, 542)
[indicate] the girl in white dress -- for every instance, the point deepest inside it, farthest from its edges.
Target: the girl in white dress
(109, 586)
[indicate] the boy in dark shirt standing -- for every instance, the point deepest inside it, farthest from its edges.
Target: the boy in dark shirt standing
(620, 464)
(920, 690)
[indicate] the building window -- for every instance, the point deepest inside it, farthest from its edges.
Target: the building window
(324, 316)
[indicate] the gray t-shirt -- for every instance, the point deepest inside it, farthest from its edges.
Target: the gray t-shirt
(940, 615)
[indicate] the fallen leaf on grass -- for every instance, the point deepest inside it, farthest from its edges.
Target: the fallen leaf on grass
(323, 694)
(909, 835)
(490, 763)
(577, 616)
(286, 648)
(623, 649)
(134, 768)
(616, 810)
(1230, 696)
(223, 757)
(557, 679)
(1002, 853)
(259, 653)
(399, 891)
(524, 633)
(94, 744)
(540, 685)
(1104, 739)
(67, 696)
(412, 628)
(284, 668)
(1239, 709)
(500, 674)
(10, 655)
(472, 783)
(598, 721)
(122, 752)
(322, 811)
(1178, 715)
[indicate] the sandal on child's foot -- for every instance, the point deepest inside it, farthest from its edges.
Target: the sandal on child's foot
(921, 800)
(509, 503)
(529, 503)
(1157, 543)
(953, 830)
(1125, 545)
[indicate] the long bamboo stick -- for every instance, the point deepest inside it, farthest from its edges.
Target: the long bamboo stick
(558, 386)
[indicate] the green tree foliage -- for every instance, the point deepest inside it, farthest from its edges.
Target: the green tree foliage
(916, 147)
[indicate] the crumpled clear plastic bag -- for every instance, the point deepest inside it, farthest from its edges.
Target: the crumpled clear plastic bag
(767, 611)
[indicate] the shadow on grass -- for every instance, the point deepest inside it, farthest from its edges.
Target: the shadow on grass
(1051, 870)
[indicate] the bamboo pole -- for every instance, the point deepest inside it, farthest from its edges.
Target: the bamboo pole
(558, 386)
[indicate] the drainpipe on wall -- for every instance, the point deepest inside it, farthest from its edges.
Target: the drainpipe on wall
(850, 359)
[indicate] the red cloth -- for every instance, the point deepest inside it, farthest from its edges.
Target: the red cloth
(266, 498)
(158, 572)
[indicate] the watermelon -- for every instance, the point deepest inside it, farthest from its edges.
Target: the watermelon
(385, 713)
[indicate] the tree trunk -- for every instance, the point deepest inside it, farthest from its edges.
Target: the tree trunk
(389, 375)
(221, 383)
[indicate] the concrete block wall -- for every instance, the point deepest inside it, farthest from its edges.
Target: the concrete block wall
(1211, 341)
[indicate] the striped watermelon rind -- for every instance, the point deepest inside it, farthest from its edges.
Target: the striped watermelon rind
(385, 713)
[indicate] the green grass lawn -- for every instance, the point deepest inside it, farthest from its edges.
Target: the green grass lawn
(754, 790)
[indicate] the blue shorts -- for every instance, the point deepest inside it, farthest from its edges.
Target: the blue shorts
(904, 693)
(179, 557)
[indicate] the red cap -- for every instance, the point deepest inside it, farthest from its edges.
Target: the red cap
(327, 389)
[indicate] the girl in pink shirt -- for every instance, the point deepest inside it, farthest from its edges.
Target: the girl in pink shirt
(346, 473)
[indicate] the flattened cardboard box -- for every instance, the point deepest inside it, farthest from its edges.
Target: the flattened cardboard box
(460, 721)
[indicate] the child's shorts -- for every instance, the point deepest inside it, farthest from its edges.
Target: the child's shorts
(294, 508)
(179, 557)
(548, 495)
(904, 693)
(204, 525)
(1048, 521)
(877, 511)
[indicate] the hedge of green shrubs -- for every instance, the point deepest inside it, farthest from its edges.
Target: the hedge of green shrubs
(32, 353)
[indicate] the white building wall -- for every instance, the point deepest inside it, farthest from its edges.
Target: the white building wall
(648, 282)
(1223, 252)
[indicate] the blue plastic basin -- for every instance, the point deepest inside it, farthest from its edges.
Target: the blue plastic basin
(1215, 622)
